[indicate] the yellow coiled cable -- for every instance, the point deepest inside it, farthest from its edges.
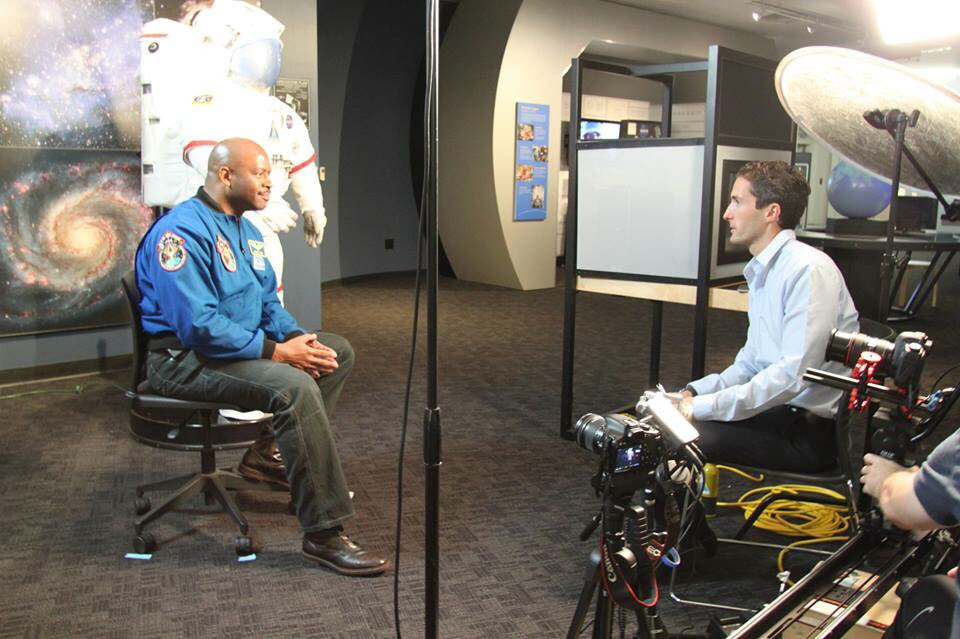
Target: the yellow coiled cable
(821, 523)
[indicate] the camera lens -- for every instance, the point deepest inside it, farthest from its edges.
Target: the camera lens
(846, 348)
(593, 431)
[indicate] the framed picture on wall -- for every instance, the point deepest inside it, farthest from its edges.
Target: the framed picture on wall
(295, 94)
(70, 223)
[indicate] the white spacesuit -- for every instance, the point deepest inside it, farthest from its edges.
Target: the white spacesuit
(210, 81)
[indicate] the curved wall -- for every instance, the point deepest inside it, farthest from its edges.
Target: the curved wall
(376, 192)
(498, 54)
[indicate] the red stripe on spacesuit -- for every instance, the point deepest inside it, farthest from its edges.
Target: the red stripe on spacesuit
(280, 288)
(154, 35)
(303, 164)
(195, 143)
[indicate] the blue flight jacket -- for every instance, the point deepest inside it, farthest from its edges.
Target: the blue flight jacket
(204, 277)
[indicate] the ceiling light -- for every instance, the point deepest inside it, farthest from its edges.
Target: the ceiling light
(810, 29)
(756, 16)
(923, 20)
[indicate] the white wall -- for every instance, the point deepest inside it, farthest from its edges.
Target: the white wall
(498, 54)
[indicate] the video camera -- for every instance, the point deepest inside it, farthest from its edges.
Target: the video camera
(646, 452)
(897, 428)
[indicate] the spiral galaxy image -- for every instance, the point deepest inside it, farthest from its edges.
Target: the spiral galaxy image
(70, 223)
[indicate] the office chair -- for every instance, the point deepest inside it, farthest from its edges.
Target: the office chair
(185, 425)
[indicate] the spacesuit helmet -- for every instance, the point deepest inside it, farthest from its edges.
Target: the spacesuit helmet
(251, 37)
(257, 62)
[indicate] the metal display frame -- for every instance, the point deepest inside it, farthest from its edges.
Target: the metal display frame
(663, 73)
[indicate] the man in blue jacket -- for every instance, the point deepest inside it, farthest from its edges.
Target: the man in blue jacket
(219, 333)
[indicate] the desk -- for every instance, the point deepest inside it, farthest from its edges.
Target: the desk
(859, 259)
(726, 297)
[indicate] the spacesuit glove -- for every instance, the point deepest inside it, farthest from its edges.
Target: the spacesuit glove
(313, 225)
(279, 218)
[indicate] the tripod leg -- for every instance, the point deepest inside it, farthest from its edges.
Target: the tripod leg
(586, 595)
(603, 617)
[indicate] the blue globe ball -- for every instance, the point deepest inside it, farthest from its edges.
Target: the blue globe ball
(854, 193)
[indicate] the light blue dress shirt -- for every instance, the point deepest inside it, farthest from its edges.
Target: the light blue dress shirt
(797, 297)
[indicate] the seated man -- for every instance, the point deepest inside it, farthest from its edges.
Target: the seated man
(759, 411)
(922, 499)
(219, 333)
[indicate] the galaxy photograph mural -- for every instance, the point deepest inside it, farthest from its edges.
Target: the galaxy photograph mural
(71, 211)
(69, 225)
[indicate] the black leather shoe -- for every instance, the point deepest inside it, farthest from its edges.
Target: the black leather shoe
(340, 554)
(262, 462)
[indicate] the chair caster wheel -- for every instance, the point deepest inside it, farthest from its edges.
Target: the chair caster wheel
(141, 505)
(244, 546)
(144, 543)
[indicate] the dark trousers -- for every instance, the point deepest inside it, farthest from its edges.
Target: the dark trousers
(927, 610)
(300, 407)
(781, 438)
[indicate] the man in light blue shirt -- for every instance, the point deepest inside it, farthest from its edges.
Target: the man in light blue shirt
(759, 411)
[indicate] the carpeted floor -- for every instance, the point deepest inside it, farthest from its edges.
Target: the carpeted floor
(514, 496)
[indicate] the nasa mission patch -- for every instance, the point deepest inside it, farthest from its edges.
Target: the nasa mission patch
(171, 252)
(226, 254)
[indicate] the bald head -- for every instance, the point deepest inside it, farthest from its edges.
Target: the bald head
(238, 175)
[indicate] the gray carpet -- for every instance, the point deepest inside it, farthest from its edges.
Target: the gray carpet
(514, 495)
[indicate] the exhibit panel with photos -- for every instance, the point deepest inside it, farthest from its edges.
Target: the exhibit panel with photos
(71, 212)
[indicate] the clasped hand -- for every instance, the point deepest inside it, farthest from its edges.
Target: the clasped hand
(307, 354)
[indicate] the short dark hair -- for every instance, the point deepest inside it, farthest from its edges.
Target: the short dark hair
(781, 183)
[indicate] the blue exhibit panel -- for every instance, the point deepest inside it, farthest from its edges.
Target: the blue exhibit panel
(532, 158)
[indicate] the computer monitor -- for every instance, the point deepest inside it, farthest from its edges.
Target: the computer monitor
(599, 129)
(915, 213)
(639, 129)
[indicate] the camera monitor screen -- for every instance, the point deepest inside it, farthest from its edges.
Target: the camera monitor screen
(599, 130)
(629, 458)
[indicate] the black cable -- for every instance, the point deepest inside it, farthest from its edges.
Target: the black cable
(942, 375)
(421, 239)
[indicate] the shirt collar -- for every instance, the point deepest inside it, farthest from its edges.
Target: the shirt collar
(204, 197)
(760, 263)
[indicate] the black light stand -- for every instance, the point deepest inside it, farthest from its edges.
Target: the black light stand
(895, 122)
(431, 415)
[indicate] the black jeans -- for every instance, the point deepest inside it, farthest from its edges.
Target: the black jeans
(300, 407)
(781, 438)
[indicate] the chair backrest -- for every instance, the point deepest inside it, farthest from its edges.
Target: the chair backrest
(132, 294)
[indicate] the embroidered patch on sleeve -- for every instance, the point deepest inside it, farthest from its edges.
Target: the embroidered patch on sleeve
(226, 254)
(171, 251)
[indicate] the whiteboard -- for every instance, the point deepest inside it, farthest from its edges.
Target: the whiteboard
(638, 210)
